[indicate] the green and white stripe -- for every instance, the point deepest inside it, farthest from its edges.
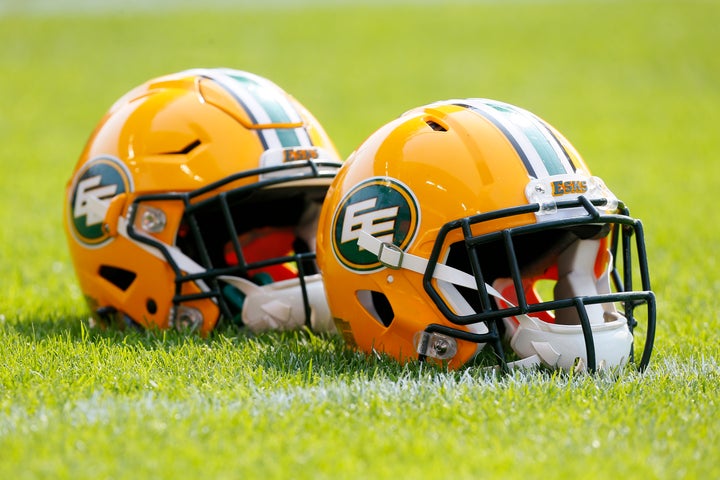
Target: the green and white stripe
(265, 103)
(541, 152)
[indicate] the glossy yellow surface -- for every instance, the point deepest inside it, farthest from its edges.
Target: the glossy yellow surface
(457, 164)
(149, 131)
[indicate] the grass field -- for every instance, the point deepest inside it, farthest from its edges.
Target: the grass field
(634, 85)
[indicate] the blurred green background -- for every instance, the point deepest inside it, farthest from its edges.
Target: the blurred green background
(634, 85)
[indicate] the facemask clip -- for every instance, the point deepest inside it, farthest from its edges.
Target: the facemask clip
(435, 345)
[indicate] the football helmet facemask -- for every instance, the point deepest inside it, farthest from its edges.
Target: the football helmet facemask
(447, 228)
(196, 198)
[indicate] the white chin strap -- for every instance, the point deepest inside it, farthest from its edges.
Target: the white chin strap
(277, 306)
(536, 341)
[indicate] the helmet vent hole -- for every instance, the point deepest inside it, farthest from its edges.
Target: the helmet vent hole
(186, 149)
(190, 147)
(151, 306)
(119, 277)
(435, 126)
(377, 305)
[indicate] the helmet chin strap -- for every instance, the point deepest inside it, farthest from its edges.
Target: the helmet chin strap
(277, 306)
(391, 256)
(100, 208)
(537, 336)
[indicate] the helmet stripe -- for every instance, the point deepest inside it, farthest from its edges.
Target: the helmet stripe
(500, 125)
(557, 144)
(265, 103)
(541, 152)
(265, 98)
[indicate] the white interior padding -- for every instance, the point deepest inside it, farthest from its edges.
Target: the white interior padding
(279, 305)
(577, 279)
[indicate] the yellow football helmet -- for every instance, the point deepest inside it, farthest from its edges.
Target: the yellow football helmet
(196, 198)
(438, 231)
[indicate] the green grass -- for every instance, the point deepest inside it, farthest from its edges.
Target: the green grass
(634, 85)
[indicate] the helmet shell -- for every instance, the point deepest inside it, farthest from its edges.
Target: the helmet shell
(173, 134)
(434, 165)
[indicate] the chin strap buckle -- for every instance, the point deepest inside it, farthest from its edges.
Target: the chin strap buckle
(390, 255)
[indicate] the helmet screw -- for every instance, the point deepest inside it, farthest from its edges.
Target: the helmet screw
(441, 346)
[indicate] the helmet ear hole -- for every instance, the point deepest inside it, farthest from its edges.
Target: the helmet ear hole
(119, 277)
(377, 305)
